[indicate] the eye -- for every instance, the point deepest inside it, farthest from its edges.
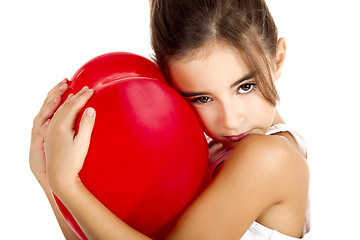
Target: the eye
(246, 88)
(201, 100)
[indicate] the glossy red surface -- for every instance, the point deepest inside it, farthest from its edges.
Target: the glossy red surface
(148, 155)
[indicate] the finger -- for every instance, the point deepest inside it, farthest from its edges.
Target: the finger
(57, 91)
(85, 128)
(68, 112)
(58, 87)
(50, 104)
(80, 93)
(72, 98)
(69, 96)
(39, 134)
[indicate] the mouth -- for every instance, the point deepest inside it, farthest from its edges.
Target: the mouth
(236, 138)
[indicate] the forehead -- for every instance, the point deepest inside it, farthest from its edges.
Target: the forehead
(208, 68)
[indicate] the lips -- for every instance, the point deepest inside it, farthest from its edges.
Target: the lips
(236, 138)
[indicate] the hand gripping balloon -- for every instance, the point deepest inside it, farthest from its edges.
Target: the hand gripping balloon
(148, 156)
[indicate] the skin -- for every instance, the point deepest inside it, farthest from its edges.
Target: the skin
(37, 155)
(269, 186)
(227, 101)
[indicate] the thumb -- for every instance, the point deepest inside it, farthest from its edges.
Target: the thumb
(86, 126)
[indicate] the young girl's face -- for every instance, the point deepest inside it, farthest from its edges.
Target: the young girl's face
(220, 87)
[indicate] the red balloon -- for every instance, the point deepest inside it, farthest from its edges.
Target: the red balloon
(148, 155)
(111, 67)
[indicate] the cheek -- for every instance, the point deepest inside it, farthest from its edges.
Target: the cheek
(262, 112)
(205, 118)
(266, 112)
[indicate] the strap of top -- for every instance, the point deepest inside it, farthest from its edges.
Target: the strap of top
(281, 127)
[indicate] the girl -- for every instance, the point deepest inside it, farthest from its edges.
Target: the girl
(223, 57)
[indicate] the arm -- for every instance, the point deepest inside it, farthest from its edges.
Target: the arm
(66, 230)
(95, 220)
(65, 153)
(249, 183)
(231, 200)
(37, 155)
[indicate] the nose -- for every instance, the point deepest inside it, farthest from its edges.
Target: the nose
(231, 117)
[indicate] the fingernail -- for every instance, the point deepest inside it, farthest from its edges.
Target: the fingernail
(47, 122)
(70, 95)
(63, 87)
(57, 99)
(85, 88)
(90, 112)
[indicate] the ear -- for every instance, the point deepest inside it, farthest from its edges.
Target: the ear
(280, 57)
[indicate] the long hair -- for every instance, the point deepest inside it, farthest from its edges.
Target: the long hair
(179, 28)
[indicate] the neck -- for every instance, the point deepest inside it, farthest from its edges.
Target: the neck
(278, 119)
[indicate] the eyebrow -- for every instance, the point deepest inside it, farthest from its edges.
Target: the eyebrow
(193, 94)
(244, 78)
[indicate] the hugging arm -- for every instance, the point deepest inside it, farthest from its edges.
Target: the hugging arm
(37, 155)
(249, 184)
(242, 190)
(56, 157)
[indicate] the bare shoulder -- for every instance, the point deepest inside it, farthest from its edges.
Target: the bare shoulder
(262, 180)
(272, 152)
(275, 178)
(272, 160)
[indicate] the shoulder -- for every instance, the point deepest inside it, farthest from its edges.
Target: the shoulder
(271, 151)
(269, 162)
(257, 175)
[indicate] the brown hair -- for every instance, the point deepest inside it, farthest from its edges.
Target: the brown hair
(181, 27)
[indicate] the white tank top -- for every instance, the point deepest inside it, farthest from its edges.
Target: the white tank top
(219, 153)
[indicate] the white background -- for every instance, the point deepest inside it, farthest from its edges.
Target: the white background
(42, 42)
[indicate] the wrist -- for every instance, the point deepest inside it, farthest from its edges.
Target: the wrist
(63, 187)
(42, 179)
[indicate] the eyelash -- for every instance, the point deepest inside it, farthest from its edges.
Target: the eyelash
(251, 86)
(198, 100)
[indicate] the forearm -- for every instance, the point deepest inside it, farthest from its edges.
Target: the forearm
(66, 230)
(94, 219)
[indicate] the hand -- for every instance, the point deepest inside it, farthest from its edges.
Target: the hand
(40, 124)
(65, 151)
